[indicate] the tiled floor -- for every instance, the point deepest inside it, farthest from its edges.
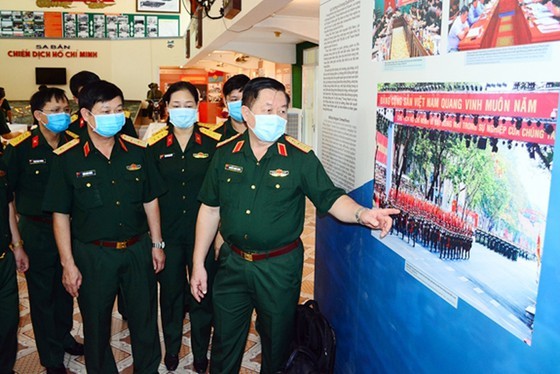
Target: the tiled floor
(28, 360)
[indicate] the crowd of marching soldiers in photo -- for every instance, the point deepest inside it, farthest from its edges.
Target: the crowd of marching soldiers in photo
(427, 224)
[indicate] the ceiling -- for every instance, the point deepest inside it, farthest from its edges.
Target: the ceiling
(295, 23)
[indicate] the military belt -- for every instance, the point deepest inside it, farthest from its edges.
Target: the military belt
(257, 256)
(41, 219)
(118, 245)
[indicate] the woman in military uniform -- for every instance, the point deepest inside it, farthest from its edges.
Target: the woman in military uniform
(182, 152)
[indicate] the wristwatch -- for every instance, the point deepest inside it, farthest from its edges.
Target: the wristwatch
(158, 245)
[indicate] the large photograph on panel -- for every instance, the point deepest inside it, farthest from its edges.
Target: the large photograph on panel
(469, 165)
(405, 29)
(479, 24)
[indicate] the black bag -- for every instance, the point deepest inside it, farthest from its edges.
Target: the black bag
(314, 344)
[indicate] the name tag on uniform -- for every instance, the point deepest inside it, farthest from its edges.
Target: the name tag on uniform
(166, 155)
(85, 173)
(234, 168)
(37, 162)
(279, 173)
(200, 155)
(133, 167)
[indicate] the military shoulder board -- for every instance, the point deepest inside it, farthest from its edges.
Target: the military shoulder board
(227, 140)
(20, 138)
(217, 126)
(63, 148)
(71, 134)
(74, 117)
(158, 136)
(214, 135)
(135, 141)
(299, 145)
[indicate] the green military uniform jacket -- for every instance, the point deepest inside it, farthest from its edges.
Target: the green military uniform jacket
(226, 129)
(79, 125)
(183, 173)
(6, 196)
(262, 203)
(104, 197)
(29, 158)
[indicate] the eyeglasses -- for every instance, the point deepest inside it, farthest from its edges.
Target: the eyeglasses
(54, 111)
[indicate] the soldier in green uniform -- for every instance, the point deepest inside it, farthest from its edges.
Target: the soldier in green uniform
(233, 92)
(109, 187)
(256, 186)
(28, 158)
(12, 256)
(78, 125)
(182, 151)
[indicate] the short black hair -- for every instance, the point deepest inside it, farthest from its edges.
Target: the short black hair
(2, 93)
(98, 92)
(181, 86)
(80, 79)
(464, 9)
(255, 85)
(42, 97)
(237, 82)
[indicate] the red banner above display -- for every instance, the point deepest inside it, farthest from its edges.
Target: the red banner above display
(523, 104)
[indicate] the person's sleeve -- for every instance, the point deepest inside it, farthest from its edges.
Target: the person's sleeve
(154, 185)
(317, 185)
(210, 191)
(59, 192)
(10, 159)
(4, 129)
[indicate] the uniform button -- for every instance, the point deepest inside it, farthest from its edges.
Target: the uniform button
(36, 171)
(253, 187)
(137, 179)
(258, 164)
(184, 211)
(277, 186)
(118, 203)
(109, 162)
(113, 182)
(183, 183)
(248, 211)
(245, 236)
(182, 170)
(88, 184)
(120, 224)
(229, 180)
(184, 197)
(183, 157)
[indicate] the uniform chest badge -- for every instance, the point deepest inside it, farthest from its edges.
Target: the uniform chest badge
(200, 155)
(234, 168)
(86, 173)
(279, 173)
(37, 162)
(166, 155)
(133, 167)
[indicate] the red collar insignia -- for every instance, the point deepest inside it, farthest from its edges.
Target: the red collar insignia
(282, 150)
(197, 138)
(169, 140)
(82, 122)
(123, 146)
(35, 141)
(86, 149)
(238, 146)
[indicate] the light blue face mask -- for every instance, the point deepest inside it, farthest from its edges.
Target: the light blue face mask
(269, 127)
(57, 122)
(182, 118)
(108, 125)
(234, 109)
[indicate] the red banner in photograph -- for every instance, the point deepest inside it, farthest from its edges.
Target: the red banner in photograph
(514, 104)
(381, 154)
(507, 130)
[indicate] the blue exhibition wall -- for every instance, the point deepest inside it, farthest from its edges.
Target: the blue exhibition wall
(388, 322)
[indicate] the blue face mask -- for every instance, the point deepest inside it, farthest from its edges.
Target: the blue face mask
(108, 125)
(57, 122)
(234, 109)
(269, 127)
(182, 118)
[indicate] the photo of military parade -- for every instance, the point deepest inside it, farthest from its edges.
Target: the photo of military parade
(469, 166)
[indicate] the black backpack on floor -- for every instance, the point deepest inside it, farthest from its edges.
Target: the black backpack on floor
(314, 345)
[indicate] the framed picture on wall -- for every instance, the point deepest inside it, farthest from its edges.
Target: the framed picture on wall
(160, 6)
